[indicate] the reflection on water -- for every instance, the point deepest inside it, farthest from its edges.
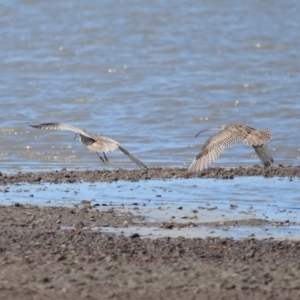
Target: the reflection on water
(149, 75)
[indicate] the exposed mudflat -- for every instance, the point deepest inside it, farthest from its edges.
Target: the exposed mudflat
(94, 250)
(67, 176)
(60, 253)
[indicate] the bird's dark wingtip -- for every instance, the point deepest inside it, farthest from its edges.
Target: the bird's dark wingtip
(269, 163)
(143, 167)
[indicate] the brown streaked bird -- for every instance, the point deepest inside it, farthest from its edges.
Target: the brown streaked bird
(228, 135)
(93, 142)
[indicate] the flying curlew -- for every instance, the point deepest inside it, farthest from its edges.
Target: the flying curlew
(228, 135)
(93, 142)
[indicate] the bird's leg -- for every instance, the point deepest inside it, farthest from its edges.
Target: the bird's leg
(100, 157)
(105, 157)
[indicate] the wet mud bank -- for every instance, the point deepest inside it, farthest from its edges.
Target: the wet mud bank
(70, 176)
(55, 253)
(93, 250)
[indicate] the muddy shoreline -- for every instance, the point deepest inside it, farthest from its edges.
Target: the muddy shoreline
(71, 176)
(56, 253)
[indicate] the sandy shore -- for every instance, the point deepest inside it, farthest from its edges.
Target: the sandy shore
(72, 252)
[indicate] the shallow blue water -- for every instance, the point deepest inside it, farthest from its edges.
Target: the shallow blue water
(274, 198)
(281, 232)
(148, 74)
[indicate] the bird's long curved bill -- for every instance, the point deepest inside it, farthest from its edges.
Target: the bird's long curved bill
(75, 135)
(206, 130)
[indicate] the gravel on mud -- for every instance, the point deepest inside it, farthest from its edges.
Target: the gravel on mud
(56, 253)
(71, 176)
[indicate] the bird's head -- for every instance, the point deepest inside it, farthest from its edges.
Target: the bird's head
(78, 134)
(219, 128)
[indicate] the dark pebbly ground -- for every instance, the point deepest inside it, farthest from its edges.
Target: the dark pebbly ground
(55, 252)
(67, 176)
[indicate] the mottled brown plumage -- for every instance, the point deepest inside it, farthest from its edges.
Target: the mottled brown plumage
(93, 142)
(228, 135)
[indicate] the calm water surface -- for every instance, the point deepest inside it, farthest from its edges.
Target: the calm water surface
(148, 74)
(244, 197)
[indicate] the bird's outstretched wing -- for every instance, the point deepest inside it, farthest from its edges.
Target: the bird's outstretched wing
(133, 158)
(264, 155)
(257, 137)
(61, 126)
(213, 148)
